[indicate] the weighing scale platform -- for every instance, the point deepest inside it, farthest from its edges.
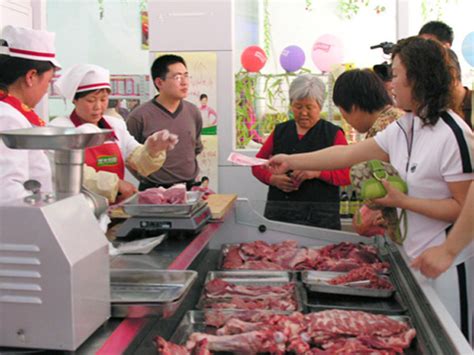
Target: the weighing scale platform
(190, 222)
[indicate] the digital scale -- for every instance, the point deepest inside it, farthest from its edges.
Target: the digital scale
(146, 221)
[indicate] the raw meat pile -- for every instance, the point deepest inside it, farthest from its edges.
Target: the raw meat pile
(175, 195)
(327, 332)
(287, 255)
(224, 295)
(364, 273)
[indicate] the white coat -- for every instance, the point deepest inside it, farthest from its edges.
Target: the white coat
(125, 140)
(18, 165)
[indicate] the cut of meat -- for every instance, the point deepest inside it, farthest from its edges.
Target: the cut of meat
(246, 343)
(164, 347)
(327, 332)
(354, 323)
(260, 265)
(396, 342)
(176, 194)
(364, 273)
(216, 318)
(286, 303)
(233, 260)
(220, 288)
(260, 255)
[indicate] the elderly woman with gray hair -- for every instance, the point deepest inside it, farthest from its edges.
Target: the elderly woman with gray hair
(303, 196)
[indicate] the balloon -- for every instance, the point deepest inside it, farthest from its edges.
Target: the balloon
(292, 58)
(327, 52)
(253, 58)
(468, 48)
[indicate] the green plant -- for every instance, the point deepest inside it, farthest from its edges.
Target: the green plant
(267, 27)
(349, 8)
(433, 9)
(261, 103)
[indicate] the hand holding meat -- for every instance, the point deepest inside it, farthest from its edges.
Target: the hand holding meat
(278, 164)
(159, 141)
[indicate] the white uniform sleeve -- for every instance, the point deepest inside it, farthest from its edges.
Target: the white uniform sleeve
(103, 183)
(126, 141)
(13, 172)
(14, 163)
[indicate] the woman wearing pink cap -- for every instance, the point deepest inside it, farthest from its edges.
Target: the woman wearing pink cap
(27, 62)
(88, 87)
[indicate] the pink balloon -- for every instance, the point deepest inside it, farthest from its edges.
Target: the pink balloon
(328, 51)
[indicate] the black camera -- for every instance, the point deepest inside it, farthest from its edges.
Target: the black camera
(386, 47)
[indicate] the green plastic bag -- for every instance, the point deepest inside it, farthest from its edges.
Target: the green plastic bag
(367, 182)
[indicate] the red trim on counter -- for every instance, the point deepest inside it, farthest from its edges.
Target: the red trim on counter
(187, 256)
(122, 336)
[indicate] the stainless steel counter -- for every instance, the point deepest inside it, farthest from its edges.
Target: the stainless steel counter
(436, 329)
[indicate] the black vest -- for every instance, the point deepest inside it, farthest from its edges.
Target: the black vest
(317, 201)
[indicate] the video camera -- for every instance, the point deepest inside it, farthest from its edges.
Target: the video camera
(386, 47)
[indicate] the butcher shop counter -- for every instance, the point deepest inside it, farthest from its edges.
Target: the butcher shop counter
(436, 331)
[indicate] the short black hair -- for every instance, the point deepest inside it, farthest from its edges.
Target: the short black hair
(362, 88)
(440, 30)
(429, 71)
(14, 68)
(203, 96)
(160, 66)
(384, 71)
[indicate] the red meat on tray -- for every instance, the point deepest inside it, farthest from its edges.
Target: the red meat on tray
(175, 195)
(327, 332)
(260, 255)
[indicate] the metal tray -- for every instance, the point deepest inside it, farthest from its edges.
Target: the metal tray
(144, 310)
(134, 209)
(149, 286)
(194, 321)
(257, 276)
(316, 281)
(315, 302)
(250, 278)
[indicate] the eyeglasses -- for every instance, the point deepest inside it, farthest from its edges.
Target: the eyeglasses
(180, 77)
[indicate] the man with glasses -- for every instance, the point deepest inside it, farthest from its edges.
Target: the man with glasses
(168, 110)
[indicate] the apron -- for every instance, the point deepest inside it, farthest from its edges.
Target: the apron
(26, 111)
(105, 157)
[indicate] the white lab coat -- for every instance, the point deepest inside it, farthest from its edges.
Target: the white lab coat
(125, 140)
(18, 165)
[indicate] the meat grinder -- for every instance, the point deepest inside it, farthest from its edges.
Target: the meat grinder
(54, 264)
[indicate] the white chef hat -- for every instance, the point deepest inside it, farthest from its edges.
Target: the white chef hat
(80, 78)
(29, 44)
